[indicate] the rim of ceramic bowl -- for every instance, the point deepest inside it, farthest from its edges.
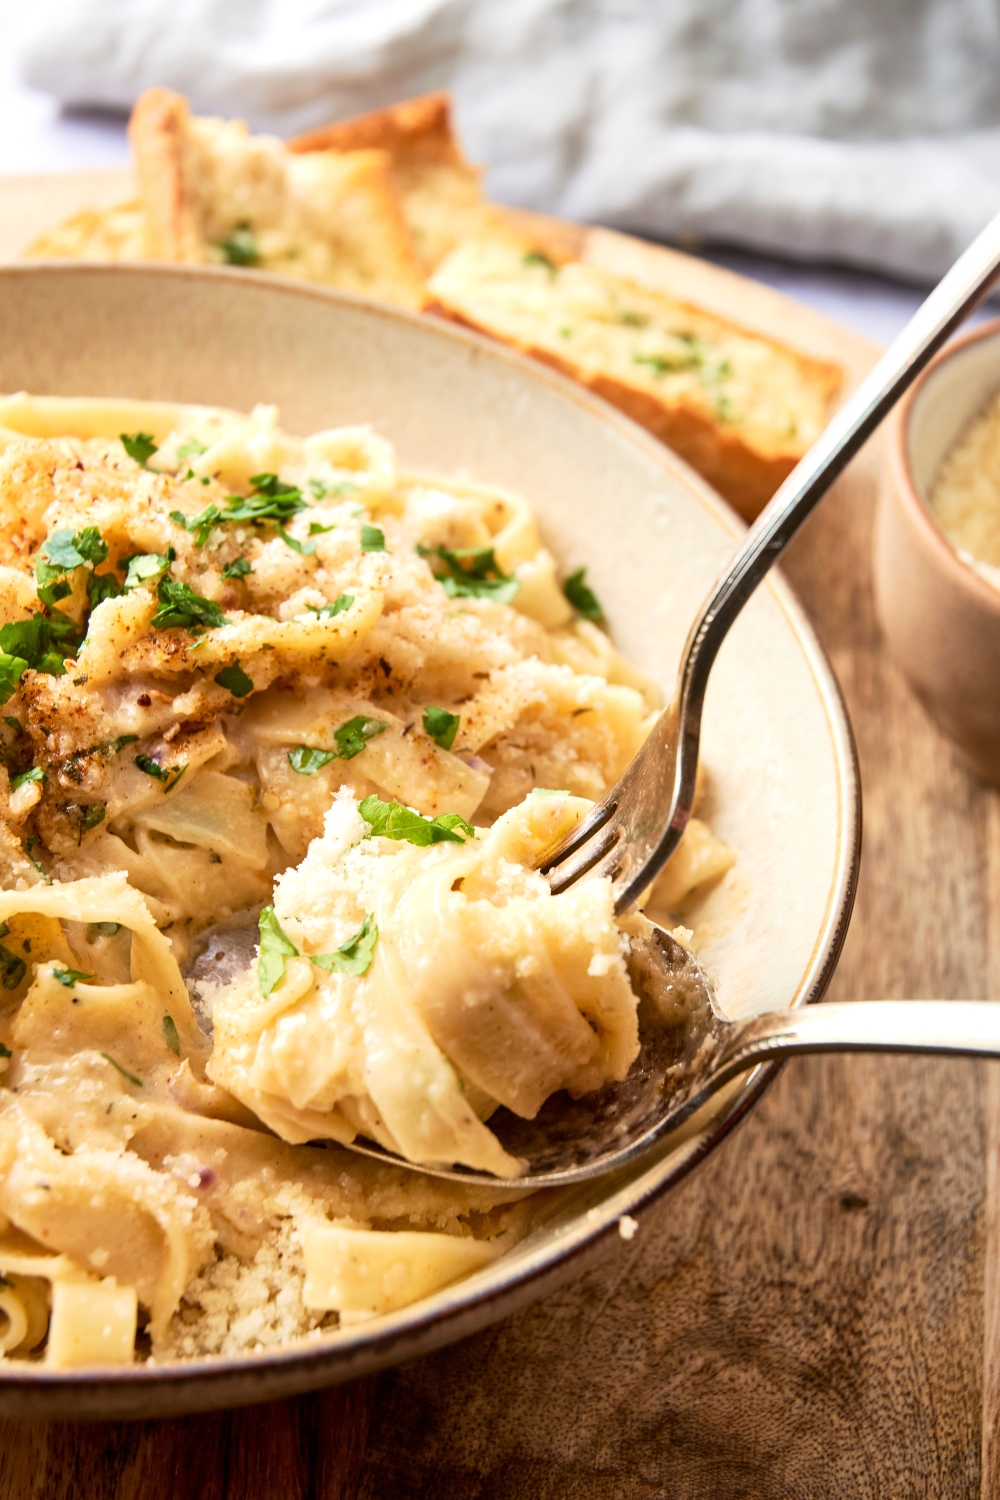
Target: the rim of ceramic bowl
(917, 507)
(213, 1382)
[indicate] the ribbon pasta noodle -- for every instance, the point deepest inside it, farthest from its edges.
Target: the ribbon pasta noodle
(285, 733)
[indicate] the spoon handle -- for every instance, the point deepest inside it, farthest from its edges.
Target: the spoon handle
(964, 1028)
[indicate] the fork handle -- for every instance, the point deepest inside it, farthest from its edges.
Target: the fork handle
(962, 1028)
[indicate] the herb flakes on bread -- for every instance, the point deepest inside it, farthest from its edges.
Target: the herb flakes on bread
(740, 408)
(212, 192)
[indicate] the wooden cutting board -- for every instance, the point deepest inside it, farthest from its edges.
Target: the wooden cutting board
(804, 1316)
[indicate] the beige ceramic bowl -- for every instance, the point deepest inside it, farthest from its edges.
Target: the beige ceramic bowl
(941, 619)
(653, 536)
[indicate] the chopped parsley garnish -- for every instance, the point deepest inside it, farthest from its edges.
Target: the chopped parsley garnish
(85, 815)
(239, 568)
(139, 445)
(169, 775)
(391, 820)
(441, 726)
(235, 680)
(272, 500)
(200, 525)
(102, 930)
(66, 550)
(26, 778)
(537, 258)
(12, 669)
(353, 736)
(101, 586)
(70, 977)
(320, 489)
(42, 642)
(354, 956)
(582, 597)
(632, 319)
(181, 606)
(472, 573)
(111, 748)
(274, 948)
(12, 968)
(145, 566)
(191, 449)
(240, 249)
(29, 844)
(304, 549)
(308, 761)
(372, 538)
(170, 1036)
(327, 612)
(123, 1071)
(315, 529)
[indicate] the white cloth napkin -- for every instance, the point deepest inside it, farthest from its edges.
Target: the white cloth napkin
(864, 131)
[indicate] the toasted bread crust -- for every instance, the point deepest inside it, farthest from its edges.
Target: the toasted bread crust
(420, 125)
(156, 132)
(330, 216)
(438, 188)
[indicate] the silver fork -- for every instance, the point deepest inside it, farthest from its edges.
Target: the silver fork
(633, 831)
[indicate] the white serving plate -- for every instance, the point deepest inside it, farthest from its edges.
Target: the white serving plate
(652, 535)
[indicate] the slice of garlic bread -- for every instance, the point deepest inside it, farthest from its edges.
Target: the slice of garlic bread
(214, 193)
(94, 234)
(740, 408)
(438, 189)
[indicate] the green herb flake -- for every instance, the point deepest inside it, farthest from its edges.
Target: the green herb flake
(139, 445)
(123, 1071)
(315, 529)
(102, 930)
(235, 680)
(372, 539)
(274, 948)
(441, 726)
(101, 586)
(391, 820)
(320, 489)
(168, 775)
(191, 449)
(199, 526)
(537, 258)
(240, 249)
(472, 573)
(12, 669)
(70, 977)
(239, 568)
(170, 1036)
(12, 968)
(582, 597)
(181, 606)
(353, 736)
(308, 761)
(146, 566)
(340, 604)
(272, 500)
(28, 778)
(354, 956)
(304, 549)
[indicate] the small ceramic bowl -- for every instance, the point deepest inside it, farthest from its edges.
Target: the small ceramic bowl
(940, 617)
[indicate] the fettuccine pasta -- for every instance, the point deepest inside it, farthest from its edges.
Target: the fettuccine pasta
(257, 684)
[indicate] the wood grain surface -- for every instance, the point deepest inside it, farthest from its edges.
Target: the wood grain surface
(804, 1315)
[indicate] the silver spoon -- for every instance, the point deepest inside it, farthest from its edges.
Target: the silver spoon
(688, 1048)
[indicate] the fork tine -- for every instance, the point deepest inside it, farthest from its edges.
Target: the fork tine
(568, 870)
(594, 820)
